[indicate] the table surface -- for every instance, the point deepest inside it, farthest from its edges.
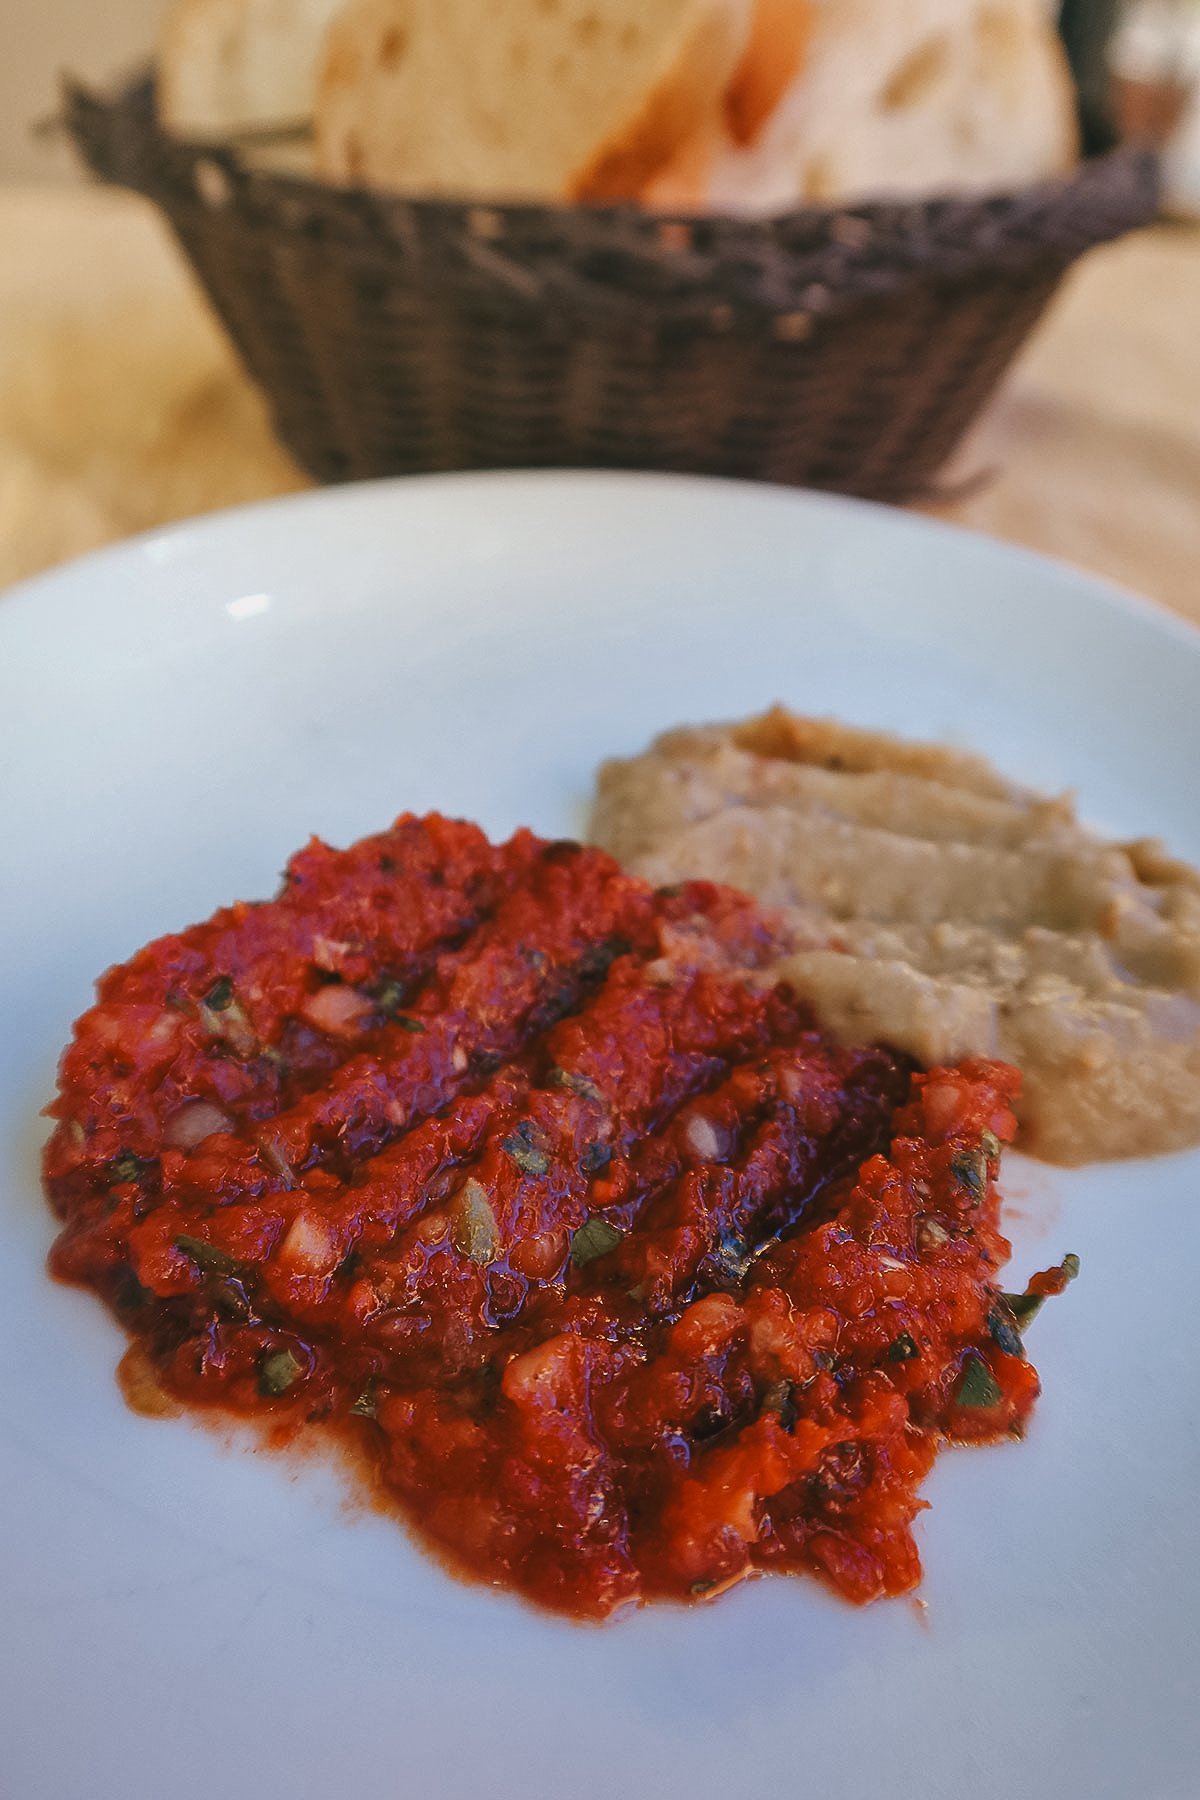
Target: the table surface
(122, 407)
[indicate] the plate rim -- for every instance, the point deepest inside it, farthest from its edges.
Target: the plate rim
(197, 533)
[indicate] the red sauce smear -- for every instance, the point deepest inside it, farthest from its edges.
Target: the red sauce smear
(625, 1279)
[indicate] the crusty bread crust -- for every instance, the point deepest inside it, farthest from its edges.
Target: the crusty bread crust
(780, 35)
(576, 100)
(722, 105)
(694, 81)
(932, 96)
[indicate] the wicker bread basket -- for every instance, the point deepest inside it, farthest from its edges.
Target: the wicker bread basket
(844, 349)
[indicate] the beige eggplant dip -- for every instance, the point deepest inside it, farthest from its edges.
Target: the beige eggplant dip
(936, 906)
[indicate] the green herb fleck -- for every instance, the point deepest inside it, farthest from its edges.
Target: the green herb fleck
(406, 1022)
(220, 994)
(780, 1398)
(979, 1390)
(229, 1297)
(277, 1373)
(1025, 1307)
(524, 1152)
(575, 1084)
(365, 1406)
(473, 1229)
(595, 1237)
(388, 995)
(126, 1167)
(733, 1255)
(903, 1349)
(208, 1257)
(275, 1158)
(595, 1158)
(1004, 1332)
(969, 1168)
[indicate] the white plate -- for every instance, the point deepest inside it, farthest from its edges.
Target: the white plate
(183, 1618)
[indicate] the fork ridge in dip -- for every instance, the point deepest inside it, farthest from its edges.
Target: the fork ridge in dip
(622, 1280)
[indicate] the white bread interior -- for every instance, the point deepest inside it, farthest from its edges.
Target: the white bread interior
(541, 100)
(228, 66)
(894, 100)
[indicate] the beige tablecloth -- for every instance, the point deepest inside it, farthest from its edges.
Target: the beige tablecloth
(121, 407)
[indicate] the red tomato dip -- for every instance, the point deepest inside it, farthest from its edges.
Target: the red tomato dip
(626, 1281)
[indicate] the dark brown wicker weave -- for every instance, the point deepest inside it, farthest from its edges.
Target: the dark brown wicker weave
(842, 349)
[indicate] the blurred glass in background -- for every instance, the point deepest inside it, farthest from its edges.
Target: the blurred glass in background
(1154, 63)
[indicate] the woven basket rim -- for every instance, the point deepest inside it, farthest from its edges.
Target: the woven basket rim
(844, 347)
(811, 258)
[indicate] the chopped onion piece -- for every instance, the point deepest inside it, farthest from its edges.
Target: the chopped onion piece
(192, 1122)
(703, 1139)
(338, 1010)
(311, 1246)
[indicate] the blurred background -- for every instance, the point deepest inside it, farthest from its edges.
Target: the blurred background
(40, 41)
(123, 405)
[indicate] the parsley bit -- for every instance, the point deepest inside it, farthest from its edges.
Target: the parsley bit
(780, 1399)
(969, 1168)
(978, 1389)
(1024, 1308)
(575, 1084)
(126, 1167)
(208, 1257)
(277, 1373)
(595, 1237)
(595, 1158)
(525, 1153)
(388, 995)
(1004, 1333)
(733, 1256)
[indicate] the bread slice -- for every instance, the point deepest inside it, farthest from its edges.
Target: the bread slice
(932, 96)
(780, 31)
(535, 100)
(236, 65)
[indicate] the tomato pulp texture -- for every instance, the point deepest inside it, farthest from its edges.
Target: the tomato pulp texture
(627, 1279)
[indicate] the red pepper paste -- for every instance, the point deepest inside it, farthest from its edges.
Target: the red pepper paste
(626, 1280)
